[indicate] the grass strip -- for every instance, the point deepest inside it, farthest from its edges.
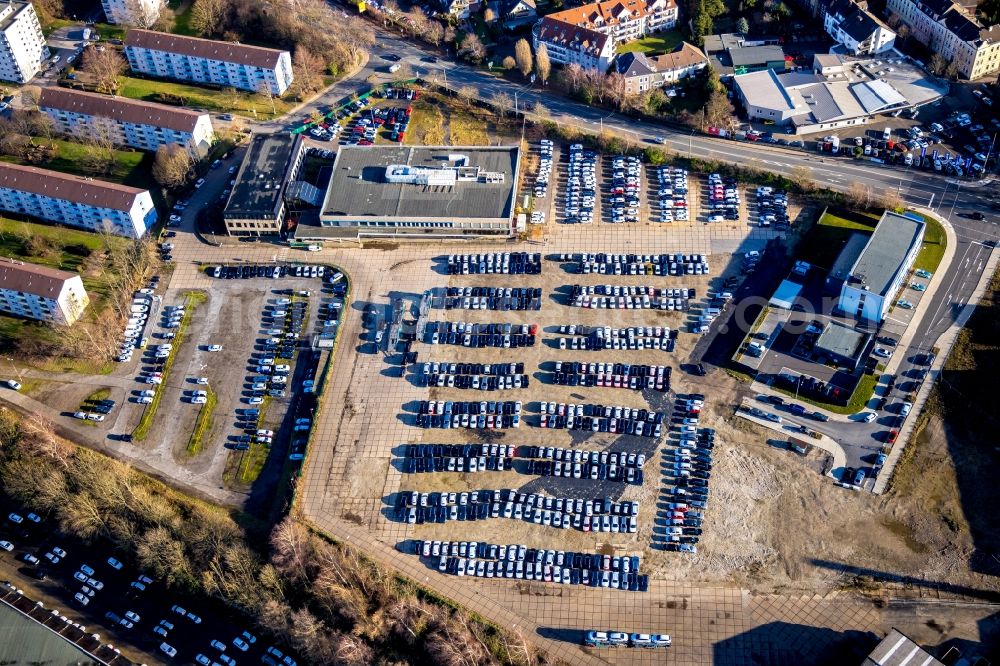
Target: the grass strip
(203, 424)
(191, 301)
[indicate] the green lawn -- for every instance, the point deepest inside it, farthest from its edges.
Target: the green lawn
(203, 424)
(203, 98)
(933, 246)
(661, 42)
(823, 243)
(182, 18)
(862, 394)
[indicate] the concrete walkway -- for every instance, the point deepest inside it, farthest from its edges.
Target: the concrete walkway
(826, 443)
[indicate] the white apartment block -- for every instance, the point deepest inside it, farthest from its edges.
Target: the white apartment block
(138, 13)
(126, 122)
(85, 203)
(41, 293)
(226, 64)
(22, 44)
(947, 29)
(575, 35)
(859, 31)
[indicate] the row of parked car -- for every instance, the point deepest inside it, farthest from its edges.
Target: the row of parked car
(274, 271)
(581, 186)
(612, 375)
(687, 467)
(484, 560)
(607, 297)
(626, 187)
(475, 382)
(492, 415)
(597, 342)
(446, 333)
(616, 639)
(557, 517)
(586, 470)
(507, 263)
(772, 208)
(723, 198)
(490, 298)
(460, 463)
(680, 264)
(672, 194)
(544, 168)
(133, 336)
(598, 418)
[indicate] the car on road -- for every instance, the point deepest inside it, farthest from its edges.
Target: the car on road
(11, 384)
(198, 183)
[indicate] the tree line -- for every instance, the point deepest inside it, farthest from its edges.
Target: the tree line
(325, 600)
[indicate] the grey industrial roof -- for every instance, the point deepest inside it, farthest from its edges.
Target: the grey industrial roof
(840, 340)
(756, 55)
(883, 256)
(765, 90)
(358, 187)
(24, 641)
(849, 254)
(898, 650)
(877, 95)
(262, 176)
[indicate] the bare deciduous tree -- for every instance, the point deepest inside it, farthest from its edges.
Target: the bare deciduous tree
(542, 63)
(307, 69)
(467, 94)
(522, 55)
(105, 67)
(172, 165)
(472, 48)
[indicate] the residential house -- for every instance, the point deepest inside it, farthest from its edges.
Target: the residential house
(856, 29)
(138, 13)
(644, 72)
(126, 122)
(589, 35)
(229, 64)
(950, 31)
(41, 293)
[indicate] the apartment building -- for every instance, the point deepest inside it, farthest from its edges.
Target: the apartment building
(22, 44)
(85, 203)
(138, 13)
(950, 31)
(588, 35)
(856, 29)
(229, 64)
(126, 122)
(41, 293)
(644, 72)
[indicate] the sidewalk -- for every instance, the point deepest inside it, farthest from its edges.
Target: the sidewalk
(826, 443)
(944, 343)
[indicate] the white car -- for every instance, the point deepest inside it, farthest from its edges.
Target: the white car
(80, 415)
(7, 545)
(214, 348)
(201, 380)
(869, 417)
(197, 185)
(145, 400)
(168, 649)
(175, 218)
(115, 564)
(199, 400)
(11, 384)
(314, 248)
(81, 599)
(95, 417)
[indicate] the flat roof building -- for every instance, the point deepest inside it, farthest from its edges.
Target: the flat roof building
(126, 122)
(95, 205)
(417, 190)
(41, 293)
(754, 58)
(896, 649)
(841, 343)
(876, 276)
(256, 206)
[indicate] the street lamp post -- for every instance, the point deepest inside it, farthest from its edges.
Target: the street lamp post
(16, 369)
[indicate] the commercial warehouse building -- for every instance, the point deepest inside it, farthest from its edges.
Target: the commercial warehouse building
(252, 68)
(257, 206)
(838, 92)
(85, 203)
(410, 191)
(41, 293)
(876, 276)
(125, 122)
(22, 44)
